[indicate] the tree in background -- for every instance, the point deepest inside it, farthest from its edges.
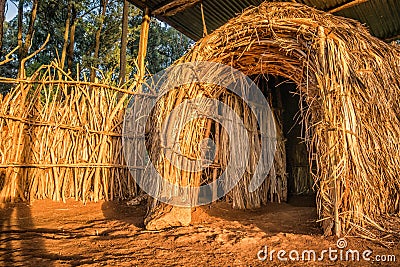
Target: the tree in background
(2, 19)
(124, 42)
(165, 46)
(66, 34)
(25, 45)
(71, 45)
(102, 14)
(88, 33)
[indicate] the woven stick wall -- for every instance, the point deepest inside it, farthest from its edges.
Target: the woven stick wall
(61, 139)
(350, 82)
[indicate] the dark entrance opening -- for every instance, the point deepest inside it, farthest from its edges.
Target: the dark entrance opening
(282, 94)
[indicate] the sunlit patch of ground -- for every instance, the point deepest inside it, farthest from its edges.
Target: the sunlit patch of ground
(47, 233)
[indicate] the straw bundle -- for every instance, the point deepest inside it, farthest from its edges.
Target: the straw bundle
(350, 82)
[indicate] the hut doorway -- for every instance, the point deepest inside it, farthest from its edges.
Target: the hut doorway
(287, 107)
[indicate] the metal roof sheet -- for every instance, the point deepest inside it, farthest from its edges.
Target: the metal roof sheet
(382, 17)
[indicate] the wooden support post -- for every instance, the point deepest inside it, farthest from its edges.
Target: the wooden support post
(216, 161)
(144, 37)
(330, 135)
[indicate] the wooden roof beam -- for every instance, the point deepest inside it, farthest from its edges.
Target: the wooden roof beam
(170, 8)
(393, 38)
(347, 5)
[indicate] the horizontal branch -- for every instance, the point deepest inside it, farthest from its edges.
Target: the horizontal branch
(75, 83)
(174, 7)
(59, 126)
(69, 165)
(347, 5)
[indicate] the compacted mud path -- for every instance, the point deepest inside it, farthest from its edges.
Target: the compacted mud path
(48, 233)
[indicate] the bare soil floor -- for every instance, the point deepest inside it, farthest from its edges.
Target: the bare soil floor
(48, 233)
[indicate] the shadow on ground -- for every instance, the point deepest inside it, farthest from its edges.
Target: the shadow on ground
(115, 210)
(20, 240)
(298, 216)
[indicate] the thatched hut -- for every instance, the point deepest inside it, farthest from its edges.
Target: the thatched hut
(348, 87)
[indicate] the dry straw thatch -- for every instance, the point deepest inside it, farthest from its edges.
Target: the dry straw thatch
(62, 138)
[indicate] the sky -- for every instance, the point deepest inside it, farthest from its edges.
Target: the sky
(11, 10)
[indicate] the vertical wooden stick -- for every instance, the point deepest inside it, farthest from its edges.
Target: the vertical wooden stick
(216, 161)
(144, 36)
(330, 138)
(205, 33)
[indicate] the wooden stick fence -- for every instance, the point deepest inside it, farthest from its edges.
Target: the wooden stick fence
(62, 139)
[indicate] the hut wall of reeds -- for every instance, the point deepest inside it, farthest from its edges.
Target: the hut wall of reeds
(61, 138)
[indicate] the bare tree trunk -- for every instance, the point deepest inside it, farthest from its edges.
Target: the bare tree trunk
(24, 49)
(2, 18)
(19, 34)
(124, 42)
(72, 38)
(31, 28)
(103, 4)
(66, 34)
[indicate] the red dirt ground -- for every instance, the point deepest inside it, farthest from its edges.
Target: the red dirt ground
(48, 233)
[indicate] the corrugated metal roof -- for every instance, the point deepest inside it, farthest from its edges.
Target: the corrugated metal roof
(382, 17)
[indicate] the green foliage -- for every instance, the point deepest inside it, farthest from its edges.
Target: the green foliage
(165, 43)
(165, 46)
